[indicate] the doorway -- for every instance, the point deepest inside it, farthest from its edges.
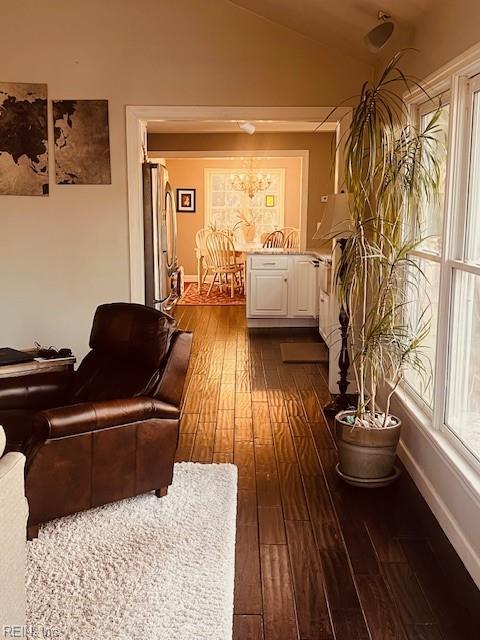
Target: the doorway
(194, 120)
(247, 211)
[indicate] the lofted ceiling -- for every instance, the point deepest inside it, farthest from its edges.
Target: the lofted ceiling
(342, 23)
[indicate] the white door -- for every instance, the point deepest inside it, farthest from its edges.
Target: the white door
(268, 294)
(302, 289)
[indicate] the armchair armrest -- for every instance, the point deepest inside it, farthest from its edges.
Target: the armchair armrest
(94, 416)
(38, 391)
(170, 387)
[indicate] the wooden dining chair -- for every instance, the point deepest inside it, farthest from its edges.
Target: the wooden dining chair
(223, 257)
(274, 240)
(292, 238)
(204, 263)
(228, 232)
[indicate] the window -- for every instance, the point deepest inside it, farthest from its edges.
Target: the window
(450, 258)
(425, 304)
(432, 212)
(472, 240)
(463, 406)
(428, 255)
(463, 397)
(225, 207)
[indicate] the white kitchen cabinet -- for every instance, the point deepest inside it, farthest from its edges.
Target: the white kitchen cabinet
(270, 262)
(281, 290)
(267, 294)
(302, 287)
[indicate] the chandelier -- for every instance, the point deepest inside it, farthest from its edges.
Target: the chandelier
(250, 181)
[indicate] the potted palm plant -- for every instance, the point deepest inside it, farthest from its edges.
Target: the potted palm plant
(391, 171)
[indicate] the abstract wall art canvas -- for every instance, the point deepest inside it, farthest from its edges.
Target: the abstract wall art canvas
(23, 139)
(82, 148)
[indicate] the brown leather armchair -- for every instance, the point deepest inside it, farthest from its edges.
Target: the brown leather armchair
(108, 431)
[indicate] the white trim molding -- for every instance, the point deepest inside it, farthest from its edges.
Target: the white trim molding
(446, 481)
(445, 471)
(137, 118)
(466, 64)
(452, 527)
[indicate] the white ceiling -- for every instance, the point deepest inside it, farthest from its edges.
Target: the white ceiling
(342, 23)
(232, 126)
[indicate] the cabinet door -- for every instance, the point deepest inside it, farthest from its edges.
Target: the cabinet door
(268, 294)
(302, 288)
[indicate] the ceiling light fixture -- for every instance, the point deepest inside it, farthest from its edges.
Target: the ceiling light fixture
(250, 181)
(247, 127)
(378, 37)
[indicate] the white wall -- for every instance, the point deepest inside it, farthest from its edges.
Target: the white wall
(63, 255)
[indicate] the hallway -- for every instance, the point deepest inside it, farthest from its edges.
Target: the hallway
(315, 558)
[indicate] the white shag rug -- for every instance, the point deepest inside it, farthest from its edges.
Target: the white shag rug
(143, 568)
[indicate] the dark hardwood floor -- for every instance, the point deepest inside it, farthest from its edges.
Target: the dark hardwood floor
(315, 559)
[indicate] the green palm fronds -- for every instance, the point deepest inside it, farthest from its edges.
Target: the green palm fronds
(391, 169)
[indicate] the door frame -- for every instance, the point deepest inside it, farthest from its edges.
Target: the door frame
(137, 118)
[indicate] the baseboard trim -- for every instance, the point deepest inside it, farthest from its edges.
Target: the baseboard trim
(447, 521)
(281, 322)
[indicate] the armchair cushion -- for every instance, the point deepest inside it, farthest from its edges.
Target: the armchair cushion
(133, 332)
(102, 376)
(93, 416)
(130, 346)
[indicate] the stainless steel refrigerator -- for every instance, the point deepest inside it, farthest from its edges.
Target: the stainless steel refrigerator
(162, 274)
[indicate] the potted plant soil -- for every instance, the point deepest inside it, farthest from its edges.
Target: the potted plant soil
(391, 173)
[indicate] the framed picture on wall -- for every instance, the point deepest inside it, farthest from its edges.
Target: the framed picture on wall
(186, 200)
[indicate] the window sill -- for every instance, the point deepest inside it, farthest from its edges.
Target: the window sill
(465, 466)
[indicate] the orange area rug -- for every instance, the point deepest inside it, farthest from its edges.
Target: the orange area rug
(192, 296)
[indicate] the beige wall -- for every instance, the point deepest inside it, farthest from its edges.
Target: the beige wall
(321, 148)
(445, 30)
(187, 173)
(63, 255)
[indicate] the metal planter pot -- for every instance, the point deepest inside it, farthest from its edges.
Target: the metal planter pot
(366, 456)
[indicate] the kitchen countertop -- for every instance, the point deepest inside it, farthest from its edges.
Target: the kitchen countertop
(322, 256)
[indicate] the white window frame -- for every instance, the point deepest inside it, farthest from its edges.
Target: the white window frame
(458, 231)
(279, 172)
(417, 110)
(460, 81)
